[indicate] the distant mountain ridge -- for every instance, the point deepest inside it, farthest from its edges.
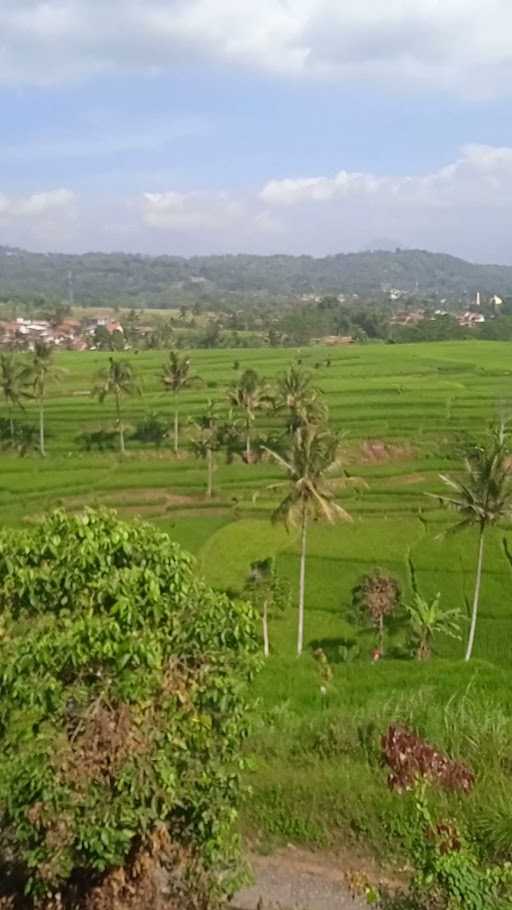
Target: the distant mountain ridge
(155, 280)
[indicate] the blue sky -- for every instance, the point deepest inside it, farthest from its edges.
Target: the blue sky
(278, 126)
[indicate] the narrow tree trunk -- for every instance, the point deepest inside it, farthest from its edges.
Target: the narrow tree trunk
(266, 643)
(424, 650)
(381, 635)
(302, 585)
(176, 431)
(209, 458)
(476, 597)
(120, 425)
(248, 450)
(42, 448)
(11, 423)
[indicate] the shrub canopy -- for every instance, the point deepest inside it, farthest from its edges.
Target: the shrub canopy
(122, 700)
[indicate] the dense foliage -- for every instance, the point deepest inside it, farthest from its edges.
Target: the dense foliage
(160, 280)
(122, 704)
(449, 871)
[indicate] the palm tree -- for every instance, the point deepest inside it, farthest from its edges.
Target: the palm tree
(482, 498)
(14, 383)
(207, 441)
(297, 394)
(118, 379)
(40, 372)
(249, 396)
(176, 377)
(312, 455)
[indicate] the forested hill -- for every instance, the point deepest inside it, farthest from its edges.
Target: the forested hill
(121, 277)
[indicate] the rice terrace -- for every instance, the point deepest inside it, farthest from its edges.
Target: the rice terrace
(404, 413)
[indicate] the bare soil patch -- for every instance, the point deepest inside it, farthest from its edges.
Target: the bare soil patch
(141, 500)
(376, 451)
(297, 879)
(403, 480)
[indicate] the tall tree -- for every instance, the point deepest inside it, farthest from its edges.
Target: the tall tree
(176, 378)
(14, 382)
(40, 372)
(298, 396)
(248, 396)
(482, 498)
(118, 380)
(310, 496)
(206, 441)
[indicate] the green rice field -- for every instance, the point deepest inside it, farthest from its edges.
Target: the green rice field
(401, 409)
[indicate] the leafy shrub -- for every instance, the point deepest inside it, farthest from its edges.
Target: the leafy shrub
(100, 439)
(411, 759)
(122, 708)
(427, 618)
(348, 651)
(449, 874)
(152, 428)
(20, 437)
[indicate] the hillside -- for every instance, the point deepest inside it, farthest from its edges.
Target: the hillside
(159, 280)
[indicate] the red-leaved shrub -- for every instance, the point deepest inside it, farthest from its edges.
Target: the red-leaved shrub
(411, 759)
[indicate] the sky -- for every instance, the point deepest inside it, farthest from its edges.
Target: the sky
(263, 126)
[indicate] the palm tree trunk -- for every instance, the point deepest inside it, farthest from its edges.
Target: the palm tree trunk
(42, 448)
(120, 425)
(11, 422)
(266, 643)
(302, 585)
(176, 431)
(209, 489)
(248, 441)
(476, 597)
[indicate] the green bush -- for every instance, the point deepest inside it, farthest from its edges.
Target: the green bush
(449, 874)
(122, 705)
(151, 429)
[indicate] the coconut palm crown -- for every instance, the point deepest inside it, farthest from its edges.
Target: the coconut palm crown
(249, 396)
(482, 498)
(177, 377)
(313, 455)
(117, 380)
(14, 383)
(297, 394)
(39, 373)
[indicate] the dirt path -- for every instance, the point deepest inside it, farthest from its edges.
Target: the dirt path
(296, 880)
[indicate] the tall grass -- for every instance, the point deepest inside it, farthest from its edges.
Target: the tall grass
(320, 779)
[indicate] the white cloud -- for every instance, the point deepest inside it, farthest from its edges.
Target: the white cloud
(461, 207)
(482, 175)
(35, 205)
(461, 45)
(318, 189)
(191, 211)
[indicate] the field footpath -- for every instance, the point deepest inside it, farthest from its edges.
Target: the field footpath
(295, 879)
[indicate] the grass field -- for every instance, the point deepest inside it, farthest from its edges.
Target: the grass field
(400, 408)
